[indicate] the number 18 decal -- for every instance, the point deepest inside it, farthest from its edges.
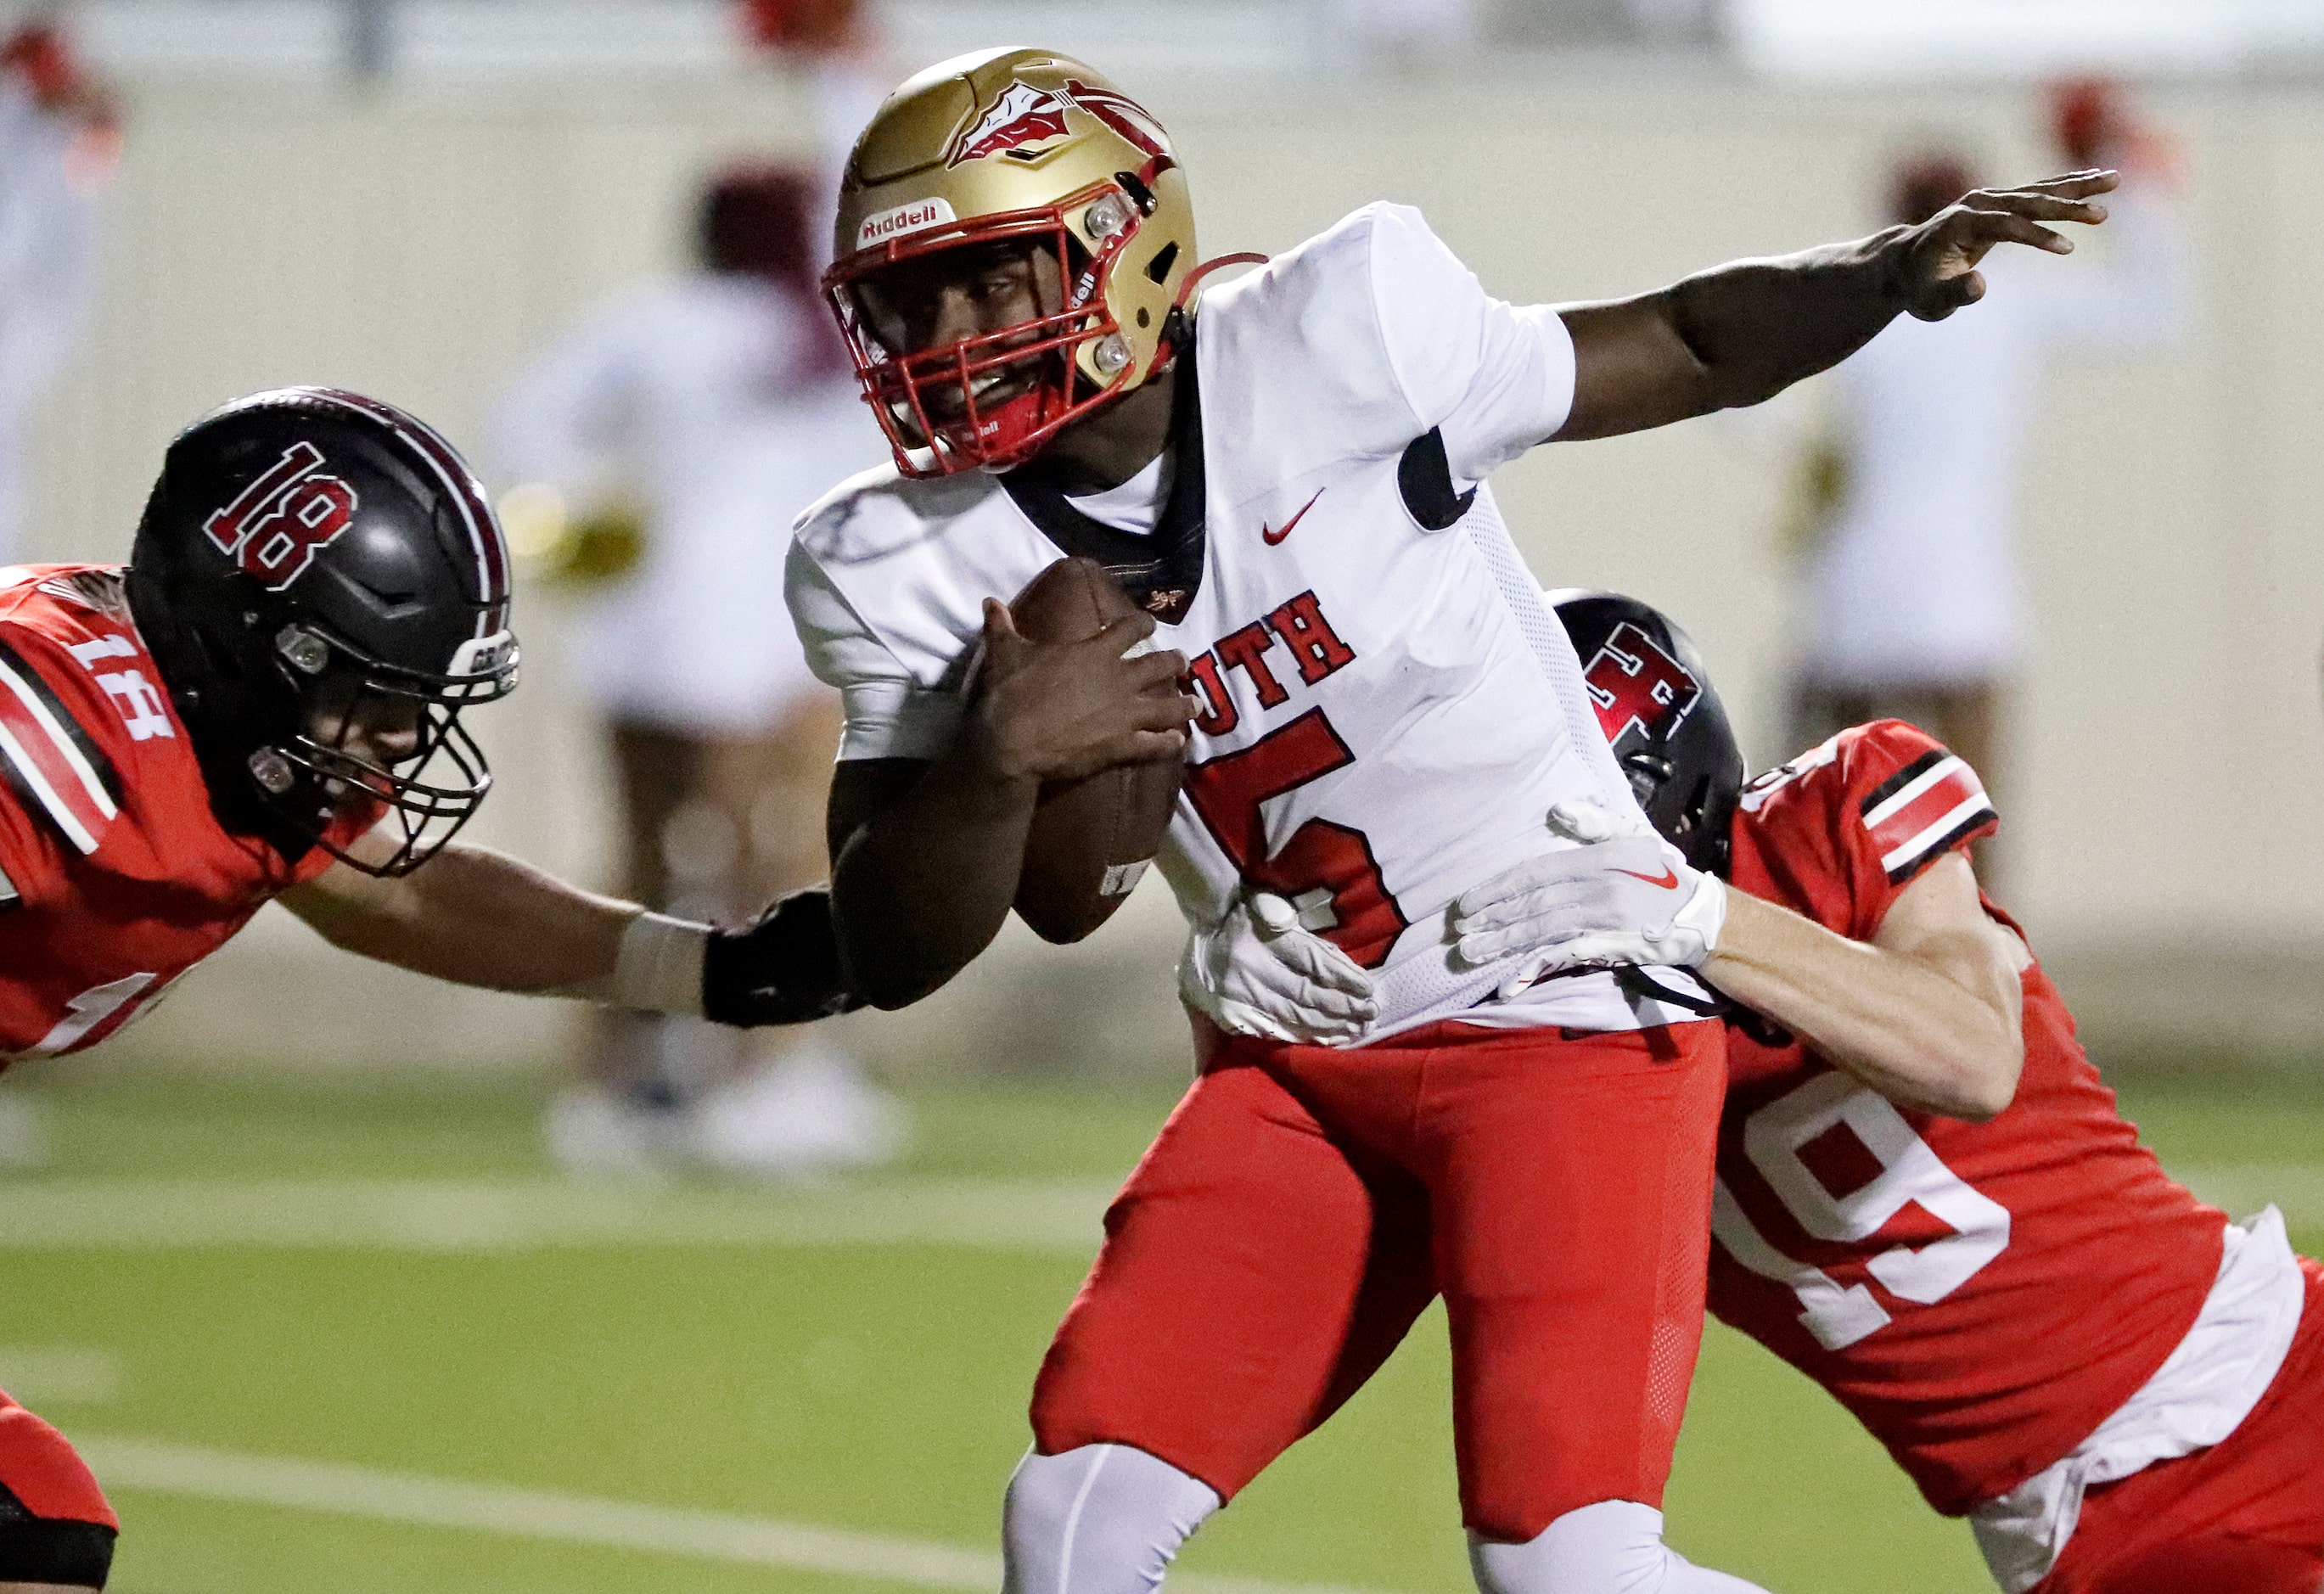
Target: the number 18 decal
(1910, 1173)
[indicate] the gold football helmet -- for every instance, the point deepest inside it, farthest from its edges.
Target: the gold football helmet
(1002, 147)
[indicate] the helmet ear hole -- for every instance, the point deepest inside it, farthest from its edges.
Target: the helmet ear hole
(1159, 269)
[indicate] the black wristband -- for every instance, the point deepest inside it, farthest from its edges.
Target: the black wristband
(780, 968)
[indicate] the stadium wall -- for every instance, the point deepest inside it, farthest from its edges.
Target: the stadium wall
(2165, 795)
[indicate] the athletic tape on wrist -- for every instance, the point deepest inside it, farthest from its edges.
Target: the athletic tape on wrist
(659, 968)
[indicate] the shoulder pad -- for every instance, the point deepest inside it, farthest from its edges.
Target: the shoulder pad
(1295, 363)
(882, 511)
(102, 590)
(1768, 782)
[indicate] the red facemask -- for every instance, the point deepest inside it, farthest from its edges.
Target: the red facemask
(995, 437)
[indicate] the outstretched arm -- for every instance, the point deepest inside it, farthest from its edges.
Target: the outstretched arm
(472, 915)
(480, 918)
(1929, 1013)
(1741, 333)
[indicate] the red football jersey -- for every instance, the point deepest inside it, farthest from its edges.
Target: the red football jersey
(114, 878)
(1979, 1295)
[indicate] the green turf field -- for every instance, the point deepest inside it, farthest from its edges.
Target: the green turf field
(351, 1337)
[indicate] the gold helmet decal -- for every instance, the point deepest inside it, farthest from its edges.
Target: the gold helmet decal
(1022, 118)
(1023, 150)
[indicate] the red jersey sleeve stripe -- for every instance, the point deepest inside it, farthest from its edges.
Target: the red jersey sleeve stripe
(1924, 808)
(49, 759)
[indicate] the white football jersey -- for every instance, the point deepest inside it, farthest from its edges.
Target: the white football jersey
(1389, 709)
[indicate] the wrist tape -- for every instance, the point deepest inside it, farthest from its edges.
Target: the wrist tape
(657, 969)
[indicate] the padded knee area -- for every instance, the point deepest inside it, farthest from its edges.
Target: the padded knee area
(1097, 1519)
(1613, 1547)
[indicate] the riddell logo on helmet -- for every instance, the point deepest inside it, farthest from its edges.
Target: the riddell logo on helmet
(1023, 115)
(904, 219)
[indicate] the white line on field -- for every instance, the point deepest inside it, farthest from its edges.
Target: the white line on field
(167, 1468)
(45, 1375)
(517, 1214)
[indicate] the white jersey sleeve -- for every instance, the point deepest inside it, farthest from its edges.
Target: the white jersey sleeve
(1370, 334)
(1495, 379)
(891, 713)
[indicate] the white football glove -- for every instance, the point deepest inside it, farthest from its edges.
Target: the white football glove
(1258, 973)
(1625, 896)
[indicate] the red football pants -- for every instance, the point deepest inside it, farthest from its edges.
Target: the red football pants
(41, 1467)
(63, 1533)
(1303, 1205)
(2245, 1516)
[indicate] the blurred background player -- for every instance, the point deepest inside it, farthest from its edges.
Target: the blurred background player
(1916, 606)
(60, 141)
(686, 426)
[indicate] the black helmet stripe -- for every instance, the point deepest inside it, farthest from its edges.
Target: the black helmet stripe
(475, 515)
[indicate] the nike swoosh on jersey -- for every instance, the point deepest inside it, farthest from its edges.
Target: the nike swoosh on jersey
(1270, 537)
(1667, 880)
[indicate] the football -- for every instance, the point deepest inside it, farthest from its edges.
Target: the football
(1092, 838)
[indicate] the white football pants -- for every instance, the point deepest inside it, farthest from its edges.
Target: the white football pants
(1108, 1519)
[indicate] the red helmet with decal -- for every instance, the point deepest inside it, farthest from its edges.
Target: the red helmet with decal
(1010, 149)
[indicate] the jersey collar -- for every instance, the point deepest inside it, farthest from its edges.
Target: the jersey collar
(1161, 571)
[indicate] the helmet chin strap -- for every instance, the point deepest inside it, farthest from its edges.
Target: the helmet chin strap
(1176, 318)
(1166, 350)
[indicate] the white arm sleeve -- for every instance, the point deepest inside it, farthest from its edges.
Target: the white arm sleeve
(889, 714)
(1494, 378)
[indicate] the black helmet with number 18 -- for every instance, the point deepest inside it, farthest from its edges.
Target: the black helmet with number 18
(1668, 729)
(324, 586)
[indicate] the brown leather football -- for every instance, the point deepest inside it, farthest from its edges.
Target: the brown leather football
(1092, 838)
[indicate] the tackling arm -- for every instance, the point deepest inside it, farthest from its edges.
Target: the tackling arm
(479, 917)
(1929, 1013)
(472, 915)
(1741, 333)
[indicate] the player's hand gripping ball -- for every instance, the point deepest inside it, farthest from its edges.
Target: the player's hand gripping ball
(1094, 830)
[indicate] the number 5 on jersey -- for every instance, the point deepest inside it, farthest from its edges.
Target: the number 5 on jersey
(1325, 869)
